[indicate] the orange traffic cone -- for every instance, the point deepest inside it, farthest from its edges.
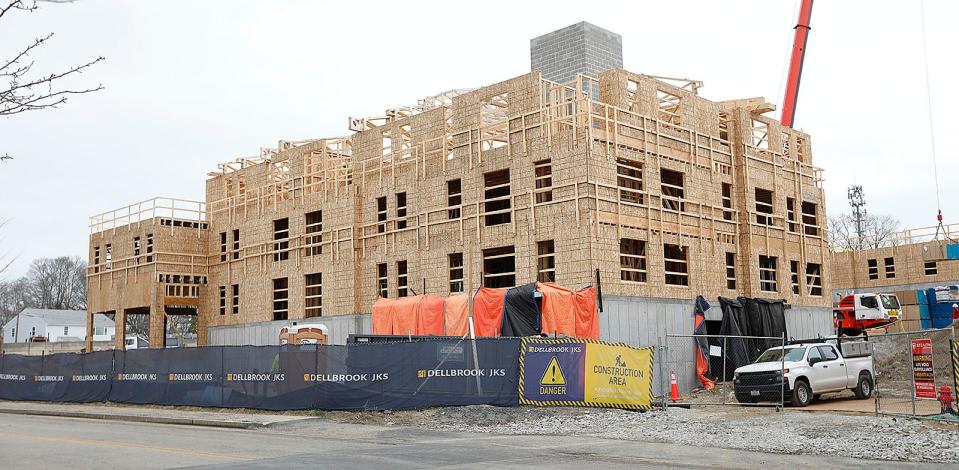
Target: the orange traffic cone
(673, 388)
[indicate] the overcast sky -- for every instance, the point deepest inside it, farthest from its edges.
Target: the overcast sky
(192, 84)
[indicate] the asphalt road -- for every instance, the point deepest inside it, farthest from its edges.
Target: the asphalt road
(71, 443)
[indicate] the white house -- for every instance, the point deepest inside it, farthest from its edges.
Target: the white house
(56, 325)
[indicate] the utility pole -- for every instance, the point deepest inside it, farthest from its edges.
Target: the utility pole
(858, 203)
(16, 329)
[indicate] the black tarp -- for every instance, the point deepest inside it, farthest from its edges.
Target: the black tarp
(736, 350)
(767, 317)
(426, 373)
(271, 377)
(403, 375)
(18, 377)
(744, 316)
(178, 376)
(86, 376)
(521, 316)
(56, 377)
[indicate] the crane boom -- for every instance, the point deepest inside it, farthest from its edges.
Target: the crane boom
(796, 63)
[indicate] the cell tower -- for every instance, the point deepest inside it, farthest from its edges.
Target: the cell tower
(858, 203)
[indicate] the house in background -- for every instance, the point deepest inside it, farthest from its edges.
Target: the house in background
(56, 325)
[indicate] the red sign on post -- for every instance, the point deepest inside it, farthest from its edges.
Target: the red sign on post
(922, 372)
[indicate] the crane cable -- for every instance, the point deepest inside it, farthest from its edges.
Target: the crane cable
(932, 131)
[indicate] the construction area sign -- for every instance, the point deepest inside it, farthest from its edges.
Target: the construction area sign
(924, 382)
(582, 372)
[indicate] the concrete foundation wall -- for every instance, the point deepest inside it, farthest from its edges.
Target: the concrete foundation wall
(45, 348)
(268, 333)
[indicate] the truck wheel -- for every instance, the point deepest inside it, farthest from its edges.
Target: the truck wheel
(802, 394)
(864, 387)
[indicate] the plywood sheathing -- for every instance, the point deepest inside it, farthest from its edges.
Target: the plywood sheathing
(709, 143)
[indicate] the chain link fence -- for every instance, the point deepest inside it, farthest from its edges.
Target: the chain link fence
(913, 370)
(698, 360)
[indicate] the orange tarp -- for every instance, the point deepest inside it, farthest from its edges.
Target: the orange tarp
(404, 315)
(457, 318)
(398, 316)
(383, 317)
(565, 312)
(702, 364)
(430, 319)
(417, 315)
(587, 320)
(558, 310)
(488, 311)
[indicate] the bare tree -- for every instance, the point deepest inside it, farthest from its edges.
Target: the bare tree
(179, 325)
(842, 233)
(24, 90)
(137, 324)
(58, 283)
(13, 298)
(878, 231)
(883, 231)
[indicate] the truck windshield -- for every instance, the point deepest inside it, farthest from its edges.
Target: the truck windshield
(776, 355)
(890, 301)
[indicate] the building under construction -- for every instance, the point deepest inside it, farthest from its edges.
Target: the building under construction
(668, 195)
(908, 260)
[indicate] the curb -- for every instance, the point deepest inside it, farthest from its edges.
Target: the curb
(138, 418)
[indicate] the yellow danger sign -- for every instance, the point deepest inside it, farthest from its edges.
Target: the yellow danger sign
(553, 374)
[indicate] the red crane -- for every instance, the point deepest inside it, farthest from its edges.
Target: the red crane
(795, 63)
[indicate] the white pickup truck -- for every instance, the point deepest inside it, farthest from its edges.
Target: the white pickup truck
(799, 373)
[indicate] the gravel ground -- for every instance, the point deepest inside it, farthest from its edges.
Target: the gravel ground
(789, 432)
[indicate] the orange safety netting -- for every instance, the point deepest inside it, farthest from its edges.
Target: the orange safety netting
(488, 311)
(565, 312)
(457, 317)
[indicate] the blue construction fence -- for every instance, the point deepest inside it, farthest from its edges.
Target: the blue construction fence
(394, 376)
